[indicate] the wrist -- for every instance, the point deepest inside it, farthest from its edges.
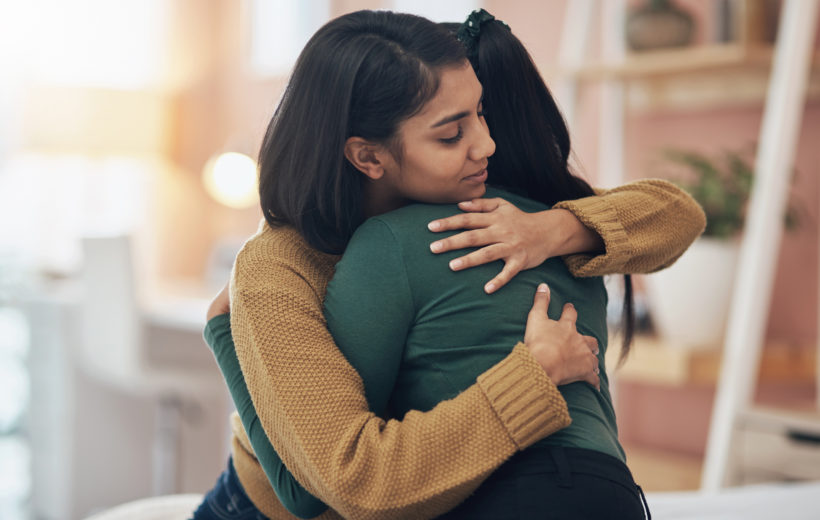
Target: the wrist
(573, 236)
(546, 358)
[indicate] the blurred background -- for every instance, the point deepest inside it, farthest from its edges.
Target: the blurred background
(127, 136)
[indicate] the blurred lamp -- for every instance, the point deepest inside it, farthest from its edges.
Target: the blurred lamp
(230, 178)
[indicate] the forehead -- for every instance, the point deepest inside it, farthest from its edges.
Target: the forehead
(458, 91)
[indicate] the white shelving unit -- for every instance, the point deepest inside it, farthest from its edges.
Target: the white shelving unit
(782, 76)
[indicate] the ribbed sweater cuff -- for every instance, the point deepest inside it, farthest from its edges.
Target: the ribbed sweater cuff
(600, 216)
(524, 398)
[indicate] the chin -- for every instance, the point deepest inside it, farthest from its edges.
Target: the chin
(478, 192)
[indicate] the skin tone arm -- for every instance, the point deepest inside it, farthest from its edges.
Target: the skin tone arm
(647, 223)
(522, 240)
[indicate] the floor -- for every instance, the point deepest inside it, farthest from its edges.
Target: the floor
(658, 470)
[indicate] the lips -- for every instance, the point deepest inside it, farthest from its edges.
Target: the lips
(477, 177)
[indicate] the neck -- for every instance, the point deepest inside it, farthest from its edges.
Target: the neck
(380, 200)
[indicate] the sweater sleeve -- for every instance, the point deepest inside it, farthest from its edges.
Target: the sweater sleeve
(312, 406)
(646, 225)
(289, 492)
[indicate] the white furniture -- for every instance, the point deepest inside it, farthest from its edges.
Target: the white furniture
(127, 401)
(785, 99)
(172, 507)
(796, 501)
(117, 347)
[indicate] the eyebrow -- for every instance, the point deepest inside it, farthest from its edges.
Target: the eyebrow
(456, 117)
(450, 119)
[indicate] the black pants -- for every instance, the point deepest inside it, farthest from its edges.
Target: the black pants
(547, 482)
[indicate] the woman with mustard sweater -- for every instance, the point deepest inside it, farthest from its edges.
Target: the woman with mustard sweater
(310, 403)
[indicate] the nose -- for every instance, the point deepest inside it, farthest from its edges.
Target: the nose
(483, 146)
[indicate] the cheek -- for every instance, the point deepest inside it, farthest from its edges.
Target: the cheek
(432, 166)
(448, 163)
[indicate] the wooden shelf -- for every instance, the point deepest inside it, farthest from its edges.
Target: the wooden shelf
(699, 77)
(688, 60)
(652, 361)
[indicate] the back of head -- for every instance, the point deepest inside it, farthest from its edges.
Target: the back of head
(361, 74)
(532, 140)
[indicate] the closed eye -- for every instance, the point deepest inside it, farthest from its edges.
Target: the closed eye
(456, 138)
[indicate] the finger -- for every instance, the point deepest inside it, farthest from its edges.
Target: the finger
(480, 205)
(484, 255)
(511, 268)
(594, 380)
(541, 301)
(465, 239)
(592, 343)
(569, 314)
(460, 221)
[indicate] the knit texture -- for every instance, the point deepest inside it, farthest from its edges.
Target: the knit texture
(646, 225)
(255, 482)
(311, 402)
(515, 403)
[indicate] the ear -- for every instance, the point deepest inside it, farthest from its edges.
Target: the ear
(368, 157)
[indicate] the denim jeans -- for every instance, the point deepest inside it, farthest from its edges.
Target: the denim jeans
(227, 500)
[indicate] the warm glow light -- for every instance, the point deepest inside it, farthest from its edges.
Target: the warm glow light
(230, 179)
(93, 43)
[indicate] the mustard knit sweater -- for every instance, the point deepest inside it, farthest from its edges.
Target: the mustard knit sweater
(311, 402)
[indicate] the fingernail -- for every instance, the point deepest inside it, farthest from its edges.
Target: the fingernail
(455, 264)
(435, 247)
(571, 306)
(434, 225)
(490, 287)
(542, 287)
(466, 202)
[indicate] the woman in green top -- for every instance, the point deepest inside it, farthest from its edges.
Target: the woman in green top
(419, 333)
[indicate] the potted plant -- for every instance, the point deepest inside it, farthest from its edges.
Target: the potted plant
(690, 300)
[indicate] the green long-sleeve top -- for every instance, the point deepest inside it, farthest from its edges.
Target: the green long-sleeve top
(419, 333)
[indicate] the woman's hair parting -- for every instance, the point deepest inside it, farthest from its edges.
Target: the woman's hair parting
(532, 139)
(361, 74)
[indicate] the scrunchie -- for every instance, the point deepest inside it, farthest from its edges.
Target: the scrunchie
(470, 33)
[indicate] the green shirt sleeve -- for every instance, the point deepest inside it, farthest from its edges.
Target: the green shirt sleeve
(369, 309)
(292, 495)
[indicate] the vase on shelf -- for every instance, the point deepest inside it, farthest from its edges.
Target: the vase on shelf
(689, 301)
(658, 24)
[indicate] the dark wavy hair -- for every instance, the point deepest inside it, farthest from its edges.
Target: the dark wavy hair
(531, 136)
(361, 74)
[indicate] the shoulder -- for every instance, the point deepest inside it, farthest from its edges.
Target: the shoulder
(276, 252)
(402, 228)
